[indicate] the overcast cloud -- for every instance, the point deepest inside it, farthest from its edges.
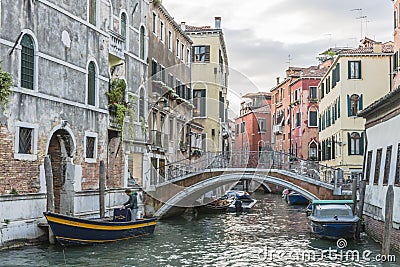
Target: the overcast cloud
(260, 34)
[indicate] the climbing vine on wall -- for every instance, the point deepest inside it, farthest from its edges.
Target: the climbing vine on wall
(5, 85)
(116, 100)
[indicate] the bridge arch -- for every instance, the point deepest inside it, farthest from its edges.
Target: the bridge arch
(191, 193)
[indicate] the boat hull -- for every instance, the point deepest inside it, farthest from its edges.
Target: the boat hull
(297, 200)
(333, 230)
(70, 230)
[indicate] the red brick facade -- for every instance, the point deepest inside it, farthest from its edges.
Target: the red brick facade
(375, 229)
(21, 176)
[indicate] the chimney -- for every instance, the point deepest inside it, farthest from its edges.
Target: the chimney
(183, 26)
(378, 48)
(217, 22)
(277, 80)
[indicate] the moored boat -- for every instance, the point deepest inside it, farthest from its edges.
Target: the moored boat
(71, 230)
(294, 198)
(243, 199)
(333, 219)
(217, 206)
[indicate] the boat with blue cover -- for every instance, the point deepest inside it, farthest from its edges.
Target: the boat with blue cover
(72, 230)
(296, 199)
(333, 219)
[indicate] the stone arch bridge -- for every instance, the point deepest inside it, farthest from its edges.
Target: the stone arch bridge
(185, 181)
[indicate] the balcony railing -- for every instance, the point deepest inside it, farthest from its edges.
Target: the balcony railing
(117, 43)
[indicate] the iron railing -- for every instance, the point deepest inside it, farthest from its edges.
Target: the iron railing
(255, 160)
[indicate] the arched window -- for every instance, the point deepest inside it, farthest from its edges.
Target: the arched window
(141, 104)
(355, 140)
(123, 27)
(91, 89)
(27, 62)
(142, 43)
(354, 102)
(313, 151)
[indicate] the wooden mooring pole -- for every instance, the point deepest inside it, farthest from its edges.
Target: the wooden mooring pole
(50, 193)
(388, 220)
(354, 195)
(360, 211)
(102, 189)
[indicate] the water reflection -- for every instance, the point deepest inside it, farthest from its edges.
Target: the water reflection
(274, 234)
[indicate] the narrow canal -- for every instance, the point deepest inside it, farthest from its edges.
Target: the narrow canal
(274, 234)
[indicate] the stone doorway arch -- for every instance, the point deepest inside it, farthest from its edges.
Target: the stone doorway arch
(61, 148)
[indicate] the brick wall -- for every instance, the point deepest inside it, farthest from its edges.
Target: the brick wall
(375, 228)
(23, 176)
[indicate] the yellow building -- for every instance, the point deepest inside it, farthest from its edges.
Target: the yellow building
(357, 78)
(209, 83)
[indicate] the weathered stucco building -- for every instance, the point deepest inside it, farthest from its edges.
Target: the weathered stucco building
(62, 56)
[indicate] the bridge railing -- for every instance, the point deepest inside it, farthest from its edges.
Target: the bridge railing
(259, 160)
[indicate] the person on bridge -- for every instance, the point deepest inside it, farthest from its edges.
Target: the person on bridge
(131, 203)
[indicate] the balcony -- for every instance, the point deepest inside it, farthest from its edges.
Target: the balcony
(117, 43)
(277, 129)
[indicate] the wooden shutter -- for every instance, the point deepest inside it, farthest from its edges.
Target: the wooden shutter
(349, 144)
(348, 106)
(207, 55)
(360, 102)
(359, 70)
(362, 144)
(338, 72)
(349, 69)
(193, 54)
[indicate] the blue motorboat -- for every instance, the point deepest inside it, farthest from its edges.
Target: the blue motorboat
(296, 199)
(333, 219)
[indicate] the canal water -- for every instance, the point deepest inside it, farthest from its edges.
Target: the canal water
(273, 234)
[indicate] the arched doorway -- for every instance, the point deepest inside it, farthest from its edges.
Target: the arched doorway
(60, 150)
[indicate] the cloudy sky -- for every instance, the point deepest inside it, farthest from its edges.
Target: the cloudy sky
(261, 34)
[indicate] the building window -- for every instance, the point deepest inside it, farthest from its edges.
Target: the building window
(91, 89)
(201, 53)
(171, 128)
(141, 104)
(355, 144)
(92, 11)
(90, 141)
(261, 125)
(27, 62)
(355, 104)
(123, 25)
(313, 151)
(387, 165)
(177, 52)
(397, 176)
(354, 69)
(188, 56)
(25, 146)
(162, 31)
(163, 78)
(237, 129)
(171, 80)
(377, 165)
(312, 118)
(154, 23)
(199, 102)
(170, 40)
(298, 119)
(368, 168)
(313, 92)
(183, 52)
(243, 127)
(154, 70)
(142, 42)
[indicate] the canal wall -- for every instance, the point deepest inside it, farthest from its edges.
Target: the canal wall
(22, 221)
(374, 214)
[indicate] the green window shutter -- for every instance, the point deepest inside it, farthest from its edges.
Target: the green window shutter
(193, 54)
(349, 143)
(362, 144)
(91, 84)
(349, 70)
(338, 72)
(360, 102)
(348, 106)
